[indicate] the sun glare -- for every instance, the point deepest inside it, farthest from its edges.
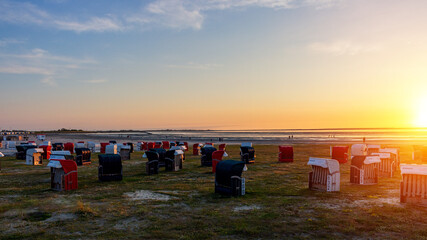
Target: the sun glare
(421, 120)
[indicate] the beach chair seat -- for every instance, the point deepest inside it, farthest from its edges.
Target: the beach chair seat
(325, 175)
(21, 153)
(173, 160)
(196, 149)
(83, 156)
(125, 152)
(228, 178)
(69, 146)
(286, 154)
(206, 159)
(110, 167)
(364, 170)
(34, 156)
(57, 147)
(340, 153)
(216, 158)
(413, 188)
(387, 165)
(63, 174)
(152, 165)
(247, 153)
(104, 146)
(166, 145)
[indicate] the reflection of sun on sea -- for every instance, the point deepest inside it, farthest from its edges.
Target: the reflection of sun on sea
(421, 120)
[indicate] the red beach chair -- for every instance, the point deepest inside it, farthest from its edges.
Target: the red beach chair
(69, 146)
(103, 145)
(166, 144)
(340, 153)
(286, 154)
(216, 158)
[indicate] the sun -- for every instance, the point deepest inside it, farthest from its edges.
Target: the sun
(421, 119)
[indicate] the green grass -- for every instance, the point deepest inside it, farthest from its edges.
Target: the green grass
(284, 207)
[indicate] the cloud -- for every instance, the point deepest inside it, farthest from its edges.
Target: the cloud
(338, 48)
(96, 81)
(17, 69)
(175, 14)
(40, 62)
(95, 24)
(28, 13)
(192, 65)
(7, 41)
(49, 80)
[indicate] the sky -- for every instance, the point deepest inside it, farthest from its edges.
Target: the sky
(213, 64)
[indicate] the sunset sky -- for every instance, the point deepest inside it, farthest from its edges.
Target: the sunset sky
(213, 64)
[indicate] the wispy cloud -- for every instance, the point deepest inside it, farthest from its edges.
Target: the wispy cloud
(28, 13)
(40, 62)
(176, 14)
(95, 81)
(8, 41)
(17, 69)
(342, 48)
(192, 65)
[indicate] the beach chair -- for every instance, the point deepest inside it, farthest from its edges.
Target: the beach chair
(69, 146)
(110, 167)
(196, 149)
(387, 165)
(394, 154)
(359, 150)
(94, 147)
(125, 152)
(173, 160)
(34, 156)
(373, 149)
(131, 145)
(247, 153)
(63, 174)
(206, 159)
(151, 145)
(57, 147)
(364, 170)
(21, 151)
(286, 154)
(46, 151)
(222, 147)
(111, 149)
(340, 153)
(325, 175)
(103, 146)
(158, 144)
(228, 178)
(83, 156)
(413, 188)
(166, 145)
(216, 158)
(152, 165)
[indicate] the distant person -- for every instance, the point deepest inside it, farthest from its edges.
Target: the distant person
(364, 139)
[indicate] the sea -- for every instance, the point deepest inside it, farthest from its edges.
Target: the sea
(278, 135)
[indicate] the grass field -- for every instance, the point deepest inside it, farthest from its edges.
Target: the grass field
(277, 203)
